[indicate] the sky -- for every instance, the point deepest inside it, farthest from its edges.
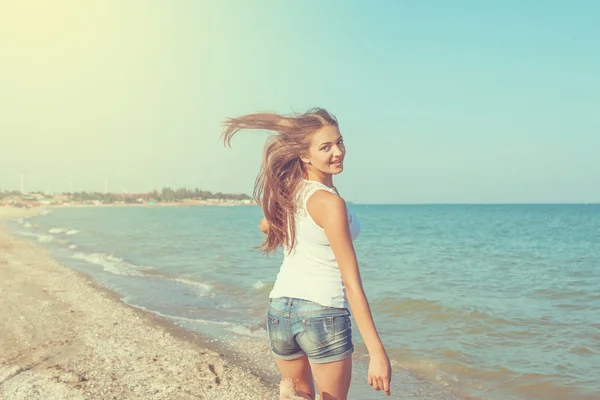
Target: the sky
(438, 101)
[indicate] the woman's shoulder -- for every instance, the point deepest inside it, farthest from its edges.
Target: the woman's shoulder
(318, 195)
(325, 201)
(326, 206)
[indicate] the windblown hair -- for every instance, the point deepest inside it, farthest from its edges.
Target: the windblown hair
(282, 170)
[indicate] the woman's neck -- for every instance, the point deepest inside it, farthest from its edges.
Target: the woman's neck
(325, 179)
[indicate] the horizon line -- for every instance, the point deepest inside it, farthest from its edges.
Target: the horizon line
(474, 204)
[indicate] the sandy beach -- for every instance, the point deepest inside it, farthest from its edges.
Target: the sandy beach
(64, 337)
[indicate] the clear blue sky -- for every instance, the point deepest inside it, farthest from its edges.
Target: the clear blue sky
(439, 102)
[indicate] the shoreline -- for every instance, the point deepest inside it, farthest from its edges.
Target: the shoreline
(183, 203)
(67, 337)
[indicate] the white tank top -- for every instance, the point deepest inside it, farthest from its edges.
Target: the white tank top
(310, 271)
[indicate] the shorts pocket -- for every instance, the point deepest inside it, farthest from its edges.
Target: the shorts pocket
(320, 330)
(272, 329)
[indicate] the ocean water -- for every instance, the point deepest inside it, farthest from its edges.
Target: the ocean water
(488, 301)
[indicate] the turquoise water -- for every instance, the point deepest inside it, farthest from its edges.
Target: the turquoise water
(491, 301)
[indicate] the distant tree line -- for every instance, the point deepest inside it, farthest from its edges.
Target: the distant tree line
(164, 195)
(93, 196)
(15, 193)
(7, 194)
(168, 194)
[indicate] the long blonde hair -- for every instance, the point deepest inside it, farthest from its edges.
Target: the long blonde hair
(281, 169)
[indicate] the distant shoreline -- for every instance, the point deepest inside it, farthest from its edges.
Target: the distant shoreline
(185, 203)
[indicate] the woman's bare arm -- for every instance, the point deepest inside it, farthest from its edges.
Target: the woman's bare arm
(264, 225)
(329, 212)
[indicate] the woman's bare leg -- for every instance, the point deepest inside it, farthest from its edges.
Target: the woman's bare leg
(299, 372)
(333, 379)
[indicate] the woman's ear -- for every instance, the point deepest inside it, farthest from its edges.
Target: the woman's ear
(305, 160)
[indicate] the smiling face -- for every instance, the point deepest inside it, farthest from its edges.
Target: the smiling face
(326, 152)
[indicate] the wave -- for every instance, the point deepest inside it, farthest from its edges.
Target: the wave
(26, 233)
(42, 238)
(66, 231)
(456, 370)
(205, 288)
(246, 331)
(118, 266)
(259, 285)
(175, 317)
(110, 263)
(238, 329)
(432, 310)
(45, 238)
(263, 288)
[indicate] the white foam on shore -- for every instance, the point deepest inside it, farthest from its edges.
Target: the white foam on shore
(45, 238)
(205, 288)
(26, 233)
(259, 285)
(245, 331)
(193, 320)
(55, 231)
(42, 238)
(110, 263)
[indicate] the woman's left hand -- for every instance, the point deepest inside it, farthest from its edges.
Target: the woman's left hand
(380, 371)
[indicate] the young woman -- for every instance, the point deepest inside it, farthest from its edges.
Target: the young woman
(319, 281)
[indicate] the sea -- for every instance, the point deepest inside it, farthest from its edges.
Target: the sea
(494, 302)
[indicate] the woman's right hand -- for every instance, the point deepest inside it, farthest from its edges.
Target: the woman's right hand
(380, 371)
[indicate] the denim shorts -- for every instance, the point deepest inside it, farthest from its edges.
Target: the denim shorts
(297, 327)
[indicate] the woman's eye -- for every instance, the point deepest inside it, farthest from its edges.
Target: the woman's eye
(326, 148)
